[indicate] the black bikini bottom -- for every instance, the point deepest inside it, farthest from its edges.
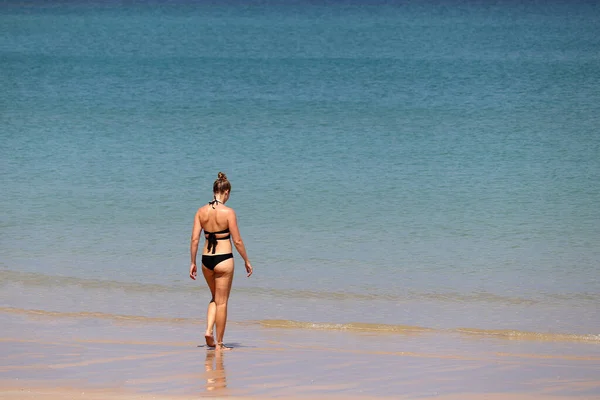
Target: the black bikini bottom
(211, 262)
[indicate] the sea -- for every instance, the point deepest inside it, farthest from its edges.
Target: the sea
(395, 165)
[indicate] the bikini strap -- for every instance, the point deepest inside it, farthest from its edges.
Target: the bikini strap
(214, 201)
(226, 230)
(212, 238)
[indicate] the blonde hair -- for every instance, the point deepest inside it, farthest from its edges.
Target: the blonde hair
(222, 184)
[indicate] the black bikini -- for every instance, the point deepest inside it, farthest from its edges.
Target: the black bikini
(211, 261)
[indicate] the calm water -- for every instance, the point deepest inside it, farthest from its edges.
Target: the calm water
(424, 164)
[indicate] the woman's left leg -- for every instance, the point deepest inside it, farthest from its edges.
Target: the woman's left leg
(211, 312)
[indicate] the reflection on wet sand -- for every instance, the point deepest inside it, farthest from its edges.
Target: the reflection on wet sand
(215, 371)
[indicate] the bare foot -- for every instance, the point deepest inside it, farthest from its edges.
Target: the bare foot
(210, 340)
(221, 346)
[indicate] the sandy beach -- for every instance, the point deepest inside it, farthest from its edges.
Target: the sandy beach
(93, 358)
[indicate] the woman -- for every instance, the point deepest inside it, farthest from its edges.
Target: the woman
(219, 223)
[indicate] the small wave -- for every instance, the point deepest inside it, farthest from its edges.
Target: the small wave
(36, 279)
(28, 279)
(525, 335)
(351, 326)
(97, 315)
(509, 334)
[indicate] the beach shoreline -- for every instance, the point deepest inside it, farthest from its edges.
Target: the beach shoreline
(52, 393)
(90, 358)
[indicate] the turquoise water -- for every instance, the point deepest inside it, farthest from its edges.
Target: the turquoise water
(422, 164)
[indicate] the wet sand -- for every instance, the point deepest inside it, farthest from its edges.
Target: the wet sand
(88, 358)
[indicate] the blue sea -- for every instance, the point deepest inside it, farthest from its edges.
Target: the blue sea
(425, 164)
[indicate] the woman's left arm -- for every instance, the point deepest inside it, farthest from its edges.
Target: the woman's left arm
(194, 244)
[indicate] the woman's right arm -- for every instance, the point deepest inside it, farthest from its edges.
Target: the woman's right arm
(237, 240)
(196, 230)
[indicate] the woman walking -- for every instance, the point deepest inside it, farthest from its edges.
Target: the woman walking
(219, 223)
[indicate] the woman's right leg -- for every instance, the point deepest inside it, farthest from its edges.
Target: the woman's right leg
(223, 279)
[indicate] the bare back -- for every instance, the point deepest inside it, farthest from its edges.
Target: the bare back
(215, 218)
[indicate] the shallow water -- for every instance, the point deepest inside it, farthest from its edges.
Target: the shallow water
(414, 164)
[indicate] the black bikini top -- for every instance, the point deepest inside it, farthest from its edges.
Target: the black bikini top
(211, 237)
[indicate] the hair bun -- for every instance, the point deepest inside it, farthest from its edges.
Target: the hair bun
(221, 185)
